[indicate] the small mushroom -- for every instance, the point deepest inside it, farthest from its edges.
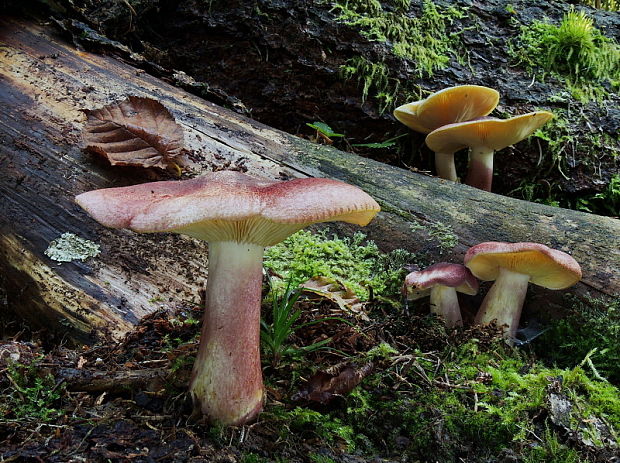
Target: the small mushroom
(513, 266)
(443, 280)
(447, 106)
(484, 136)
(239, 216)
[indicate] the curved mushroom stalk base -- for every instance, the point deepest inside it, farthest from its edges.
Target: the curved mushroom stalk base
(444, 165)
(227, 383)
(480, 169)
(504, 302)
(445, 303)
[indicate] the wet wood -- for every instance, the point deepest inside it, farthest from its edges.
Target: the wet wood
(151, 379)
(45, 84)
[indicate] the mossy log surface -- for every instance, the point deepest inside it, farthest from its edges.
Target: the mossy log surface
(45, 83)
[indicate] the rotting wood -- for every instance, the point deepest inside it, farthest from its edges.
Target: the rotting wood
(44, 85)
(151, 379)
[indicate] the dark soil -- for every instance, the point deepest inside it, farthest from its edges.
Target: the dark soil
(127, 401)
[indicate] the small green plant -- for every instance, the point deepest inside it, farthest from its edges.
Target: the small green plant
(385, 144)
(319, 458)
(381, 352)
(325, 129)
(30, 395)
(574, 50)
(282, 324)
(609, 199)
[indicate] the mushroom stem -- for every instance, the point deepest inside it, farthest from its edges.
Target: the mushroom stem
(227, 381)
(504, 302)
(480, 168)
(445, 303)
(444, 165)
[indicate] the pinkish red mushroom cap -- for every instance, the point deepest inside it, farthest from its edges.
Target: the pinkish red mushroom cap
(229, 206)
(453, 275)
(546, 267)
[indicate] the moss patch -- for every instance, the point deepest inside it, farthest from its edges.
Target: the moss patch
(355, 262)
(424, 39)
(591, 329)
(574, 51)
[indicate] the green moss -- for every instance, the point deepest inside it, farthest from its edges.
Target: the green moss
(357, 263)
(610, 5)
(550, 450)
(592, 325)
(310, 423)
(444, 235)
(30, 395)
(574, 51)
(475, 402)
(370, 75)
(425, 40)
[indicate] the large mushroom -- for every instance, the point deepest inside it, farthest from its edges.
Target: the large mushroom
(239, 216)
(443, 280)
(484, 136)
(447, 106)
(513, 266)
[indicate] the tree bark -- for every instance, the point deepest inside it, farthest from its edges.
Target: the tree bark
(45, 84)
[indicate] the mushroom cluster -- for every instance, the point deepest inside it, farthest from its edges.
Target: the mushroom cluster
(239, 216)
(455, 118)
(511, 265)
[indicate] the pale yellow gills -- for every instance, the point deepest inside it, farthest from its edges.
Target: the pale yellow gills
(513, 266)
(484, 136)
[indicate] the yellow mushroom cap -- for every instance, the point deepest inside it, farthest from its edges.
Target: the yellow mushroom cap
(229, 206)
(494, 134)
(447, 106)
(546, 267)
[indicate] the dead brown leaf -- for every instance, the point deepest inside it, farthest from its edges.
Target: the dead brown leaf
(134, 132)
(337, 381)
(336, 292)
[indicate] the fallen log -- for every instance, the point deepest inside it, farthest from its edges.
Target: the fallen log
(45, 84)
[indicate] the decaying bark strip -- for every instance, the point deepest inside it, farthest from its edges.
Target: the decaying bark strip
(44, 85)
